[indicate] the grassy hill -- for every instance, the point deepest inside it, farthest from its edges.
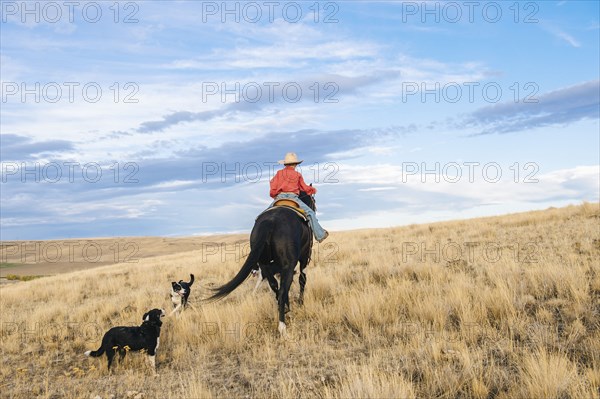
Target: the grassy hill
(498, 307)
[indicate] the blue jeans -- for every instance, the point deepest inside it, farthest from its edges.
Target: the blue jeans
(318, 231)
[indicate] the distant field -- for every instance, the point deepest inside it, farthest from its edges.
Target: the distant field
(501, 307)
(45, 258)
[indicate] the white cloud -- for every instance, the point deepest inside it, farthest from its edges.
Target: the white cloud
(567, 38)
(560, 34)
(173, 184)
(294, 46)
(478, 184)
(388, 188)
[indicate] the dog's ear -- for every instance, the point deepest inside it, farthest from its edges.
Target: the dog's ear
(146, 316)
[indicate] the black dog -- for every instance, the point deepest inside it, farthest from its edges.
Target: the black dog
(123, 339)
(180, 292)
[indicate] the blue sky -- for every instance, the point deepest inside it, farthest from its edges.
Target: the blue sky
(167, 118)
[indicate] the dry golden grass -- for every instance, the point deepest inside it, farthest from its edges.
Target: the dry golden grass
(503, 307)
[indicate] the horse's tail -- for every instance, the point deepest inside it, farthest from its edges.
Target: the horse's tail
(96, 353)
(263, 234)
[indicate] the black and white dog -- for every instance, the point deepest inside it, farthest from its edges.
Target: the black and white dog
(123, 339)
(180, 292)
(260, 277)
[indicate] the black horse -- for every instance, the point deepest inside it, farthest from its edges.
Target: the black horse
(279, 240)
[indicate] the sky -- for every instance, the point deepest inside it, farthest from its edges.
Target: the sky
(167, 118)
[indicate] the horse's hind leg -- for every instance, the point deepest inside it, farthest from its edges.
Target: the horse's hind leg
(302, 280)
(304, 260)
(283, 299)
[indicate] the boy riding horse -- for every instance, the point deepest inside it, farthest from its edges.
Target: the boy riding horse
(287, 184)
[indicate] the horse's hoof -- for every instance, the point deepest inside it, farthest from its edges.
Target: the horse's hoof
(282, 329)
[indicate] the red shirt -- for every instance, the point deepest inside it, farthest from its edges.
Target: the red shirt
(289, 181)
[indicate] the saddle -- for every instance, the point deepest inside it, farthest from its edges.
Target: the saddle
(289, 204)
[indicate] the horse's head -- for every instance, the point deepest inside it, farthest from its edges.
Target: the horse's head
(308, 200)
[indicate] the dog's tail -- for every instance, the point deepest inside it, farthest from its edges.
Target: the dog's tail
(96, 353)
(264, 232)
(191, 279)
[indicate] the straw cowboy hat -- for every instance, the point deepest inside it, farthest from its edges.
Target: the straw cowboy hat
(291, 159)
